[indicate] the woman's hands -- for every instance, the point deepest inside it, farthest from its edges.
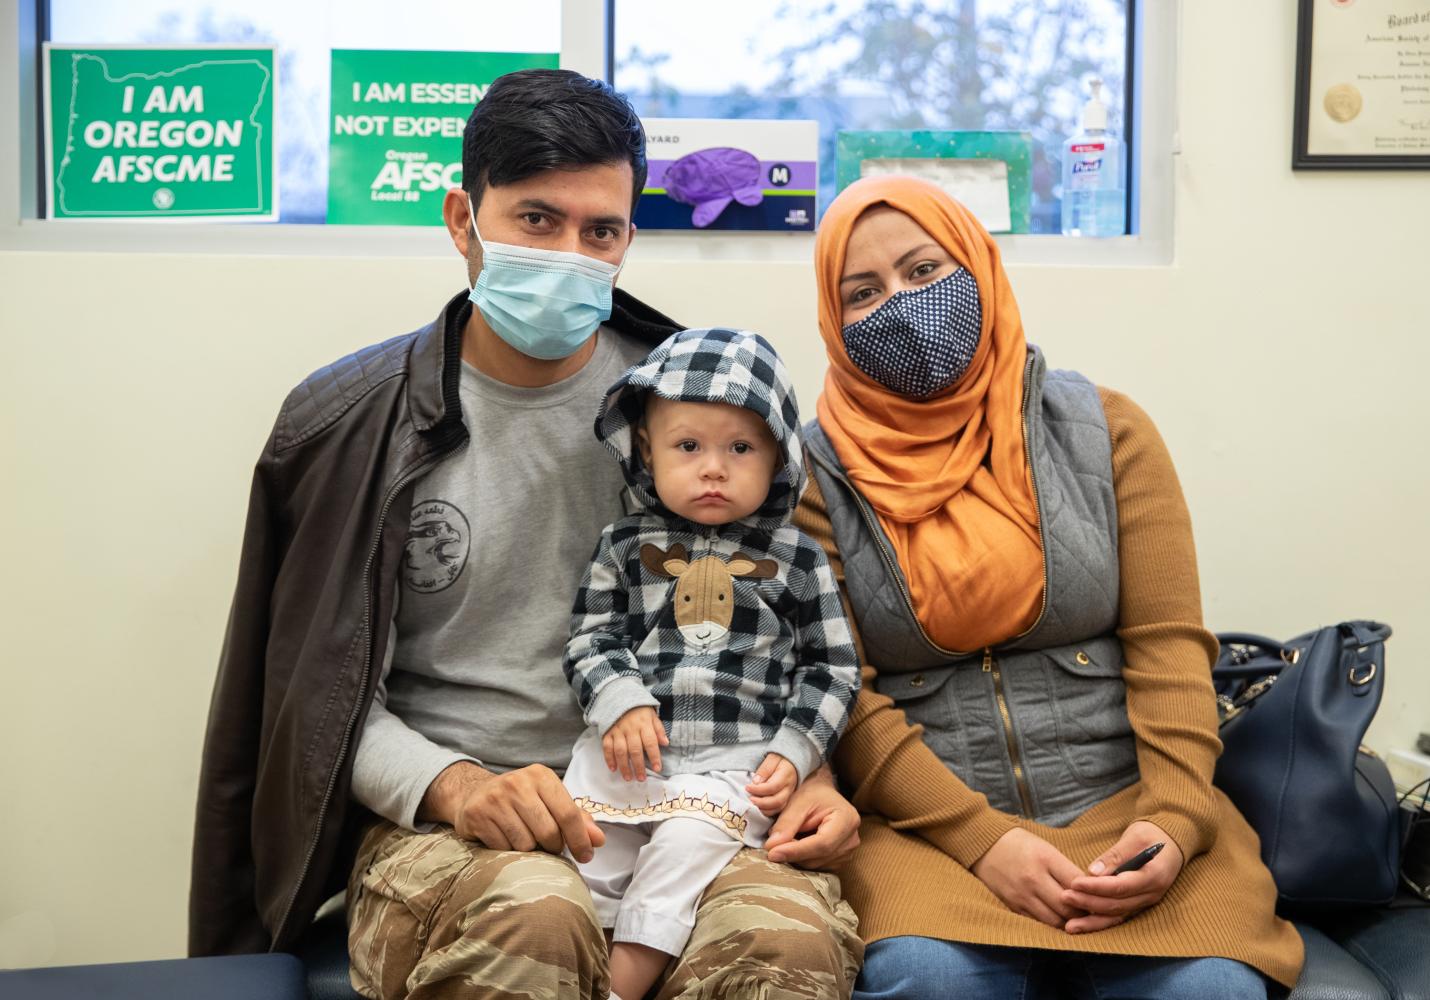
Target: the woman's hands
(1030, 876)
(635, 738)
(1109, 899)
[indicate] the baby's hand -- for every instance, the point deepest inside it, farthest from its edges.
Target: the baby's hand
(637, 735)
(774, 783)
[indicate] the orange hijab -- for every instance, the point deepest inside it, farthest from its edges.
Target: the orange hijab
(948, 475)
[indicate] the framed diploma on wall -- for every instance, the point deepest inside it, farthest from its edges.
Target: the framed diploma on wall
(1362, 85)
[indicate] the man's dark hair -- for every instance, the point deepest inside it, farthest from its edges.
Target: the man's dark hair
(536, 119)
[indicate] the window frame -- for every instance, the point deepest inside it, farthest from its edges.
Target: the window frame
(586, 46)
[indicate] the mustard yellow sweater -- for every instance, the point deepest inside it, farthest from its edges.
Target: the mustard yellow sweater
(923, 827)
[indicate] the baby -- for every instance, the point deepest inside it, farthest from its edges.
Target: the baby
(709, 650)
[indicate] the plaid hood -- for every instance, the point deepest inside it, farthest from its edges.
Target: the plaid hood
(709, 366)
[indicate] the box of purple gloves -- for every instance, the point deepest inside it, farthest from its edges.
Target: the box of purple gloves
(712, 173)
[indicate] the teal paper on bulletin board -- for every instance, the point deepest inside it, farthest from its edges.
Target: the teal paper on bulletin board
(923, 147)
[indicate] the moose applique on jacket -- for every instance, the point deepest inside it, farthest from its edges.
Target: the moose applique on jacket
(734, 633)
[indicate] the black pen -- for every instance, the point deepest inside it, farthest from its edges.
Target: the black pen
(1138, 860)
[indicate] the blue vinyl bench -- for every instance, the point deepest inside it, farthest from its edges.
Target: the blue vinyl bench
(1377, 955)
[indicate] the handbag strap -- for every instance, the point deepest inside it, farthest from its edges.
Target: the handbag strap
(1358, 633)
(1363, 654)
(1249, 639)
(1365, 633)
(1257, 656)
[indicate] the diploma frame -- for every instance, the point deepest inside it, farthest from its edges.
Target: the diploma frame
(1300, 158)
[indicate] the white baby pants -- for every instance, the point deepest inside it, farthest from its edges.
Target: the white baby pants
(647, 880)
(666, 839)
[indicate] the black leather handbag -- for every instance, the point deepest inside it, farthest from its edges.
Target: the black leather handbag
(1293, 715)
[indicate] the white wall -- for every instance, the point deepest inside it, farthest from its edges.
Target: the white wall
(1283, 355)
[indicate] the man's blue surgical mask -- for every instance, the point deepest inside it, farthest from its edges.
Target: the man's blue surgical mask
(544, 303)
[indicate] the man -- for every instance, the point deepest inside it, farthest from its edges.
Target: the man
(417, 527)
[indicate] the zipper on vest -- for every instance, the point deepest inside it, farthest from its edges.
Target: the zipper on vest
(990, 666)
(871, 523)
(362, 682)
(1037, 503)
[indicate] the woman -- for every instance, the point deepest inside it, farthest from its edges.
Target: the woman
(1038, 708)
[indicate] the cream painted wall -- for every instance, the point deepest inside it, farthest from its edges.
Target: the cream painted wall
(1283, 356)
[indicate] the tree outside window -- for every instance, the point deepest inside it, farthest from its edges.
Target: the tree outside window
(881, 64)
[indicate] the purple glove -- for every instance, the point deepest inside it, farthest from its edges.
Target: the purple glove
(710, 179)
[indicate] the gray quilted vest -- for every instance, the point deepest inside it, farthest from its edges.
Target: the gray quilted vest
(1037, 724)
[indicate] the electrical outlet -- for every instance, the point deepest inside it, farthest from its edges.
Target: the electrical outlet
(1409, 769)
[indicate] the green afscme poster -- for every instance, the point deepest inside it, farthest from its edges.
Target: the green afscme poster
(160, 132)
(395, 142)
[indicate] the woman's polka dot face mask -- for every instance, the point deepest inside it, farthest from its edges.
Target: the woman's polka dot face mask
(920, 341)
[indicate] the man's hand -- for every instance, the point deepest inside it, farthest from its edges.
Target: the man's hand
(819, 829)
(518, 811)
(775, 781)
(1110, 899)
(635, 738)
(1030, 876)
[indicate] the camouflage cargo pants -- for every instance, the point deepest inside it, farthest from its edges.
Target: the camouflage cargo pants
(431, 915)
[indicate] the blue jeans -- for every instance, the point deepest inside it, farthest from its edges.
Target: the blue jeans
(918, 968)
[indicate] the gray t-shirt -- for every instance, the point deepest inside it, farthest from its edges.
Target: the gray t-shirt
(501, 532)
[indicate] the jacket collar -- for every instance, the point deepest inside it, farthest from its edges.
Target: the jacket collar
(435, 368)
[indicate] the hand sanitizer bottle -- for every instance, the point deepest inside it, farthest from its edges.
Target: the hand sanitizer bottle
(1094, 201)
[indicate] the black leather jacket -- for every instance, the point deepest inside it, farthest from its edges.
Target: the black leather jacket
(309, 627)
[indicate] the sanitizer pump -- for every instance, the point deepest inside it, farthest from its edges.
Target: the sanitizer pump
(1094, 199)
